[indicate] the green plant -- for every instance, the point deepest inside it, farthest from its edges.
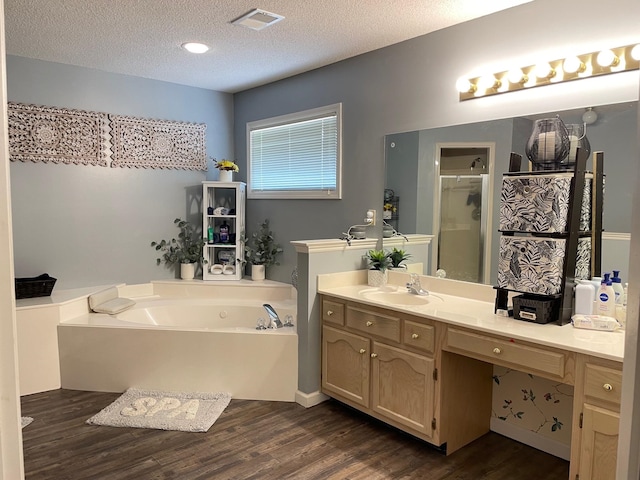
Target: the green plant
(378, 260)
(397, 257)
(261, 248)
(187, 248)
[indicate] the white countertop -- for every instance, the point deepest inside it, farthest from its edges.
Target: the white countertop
(478, 315)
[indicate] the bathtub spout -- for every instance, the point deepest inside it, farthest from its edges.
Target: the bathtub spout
(273, 315)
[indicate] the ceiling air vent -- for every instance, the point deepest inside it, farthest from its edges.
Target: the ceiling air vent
(257, 19)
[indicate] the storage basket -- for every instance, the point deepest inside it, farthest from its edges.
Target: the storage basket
(40, 286)
(533, 309)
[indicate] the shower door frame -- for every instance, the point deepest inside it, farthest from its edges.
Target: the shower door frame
(487, 204)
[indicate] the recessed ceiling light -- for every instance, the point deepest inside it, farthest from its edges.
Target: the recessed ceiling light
(257, 19)
(195, 47)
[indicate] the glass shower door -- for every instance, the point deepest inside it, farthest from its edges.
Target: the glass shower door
(462, 232)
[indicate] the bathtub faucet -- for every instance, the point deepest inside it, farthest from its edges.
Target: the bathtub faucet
(273, 316)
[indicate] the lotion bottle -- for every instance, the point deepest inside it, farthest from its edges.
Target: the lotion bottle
(616, 283)
(606, 300)
(585, 296)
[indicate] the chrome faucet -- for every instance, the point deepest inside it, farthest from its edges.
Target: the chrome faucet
(273, 316)
(414, 286)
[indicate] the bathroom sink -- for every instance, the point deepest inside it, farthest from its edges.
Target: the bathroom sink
(396, 298)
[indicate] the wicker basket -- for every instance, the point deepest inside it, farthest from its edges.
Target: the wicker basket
(40, 286)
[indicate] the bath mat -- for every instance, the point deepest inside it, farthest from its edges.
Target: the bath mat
(26, 421)
(186, 412)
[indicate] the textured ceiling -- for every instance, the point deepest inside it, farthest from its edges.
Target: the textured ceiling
(143, 37)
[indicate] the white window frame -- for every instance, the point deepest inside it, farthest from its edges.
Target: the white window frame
(293, 118)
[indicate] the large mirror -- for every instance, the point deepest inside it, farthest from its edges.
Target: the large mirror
(446, 182)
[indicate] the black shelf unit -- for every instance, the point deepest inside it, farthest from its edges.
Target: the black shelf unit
(573, 234)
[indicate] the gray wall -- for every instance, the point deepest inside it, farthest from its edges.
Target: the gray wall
(88, 225)
(411, 86)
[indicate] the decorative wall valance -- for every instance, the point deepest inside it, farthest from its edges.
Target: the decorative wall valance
(58, 135)
(148, 143)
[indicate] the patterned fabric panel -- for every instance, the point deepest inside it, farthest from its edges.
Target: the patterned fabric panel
(534, 265)
(540, 204)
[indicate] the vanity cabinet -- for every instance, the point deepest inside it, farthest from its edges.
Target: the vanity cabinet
(223, 216)
(596, 420)
(388, 364)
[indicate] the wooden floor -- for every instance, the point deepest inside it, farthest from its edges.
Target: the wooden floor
(258, 440)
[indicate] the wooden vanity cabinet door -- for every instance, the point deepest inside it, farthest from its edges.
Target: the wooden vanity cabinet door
(403, 387)
(599, 443)
(346, 360)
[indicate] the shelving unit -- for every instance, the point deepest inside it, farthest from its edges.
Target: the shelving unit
(223, 204)
(574, 234)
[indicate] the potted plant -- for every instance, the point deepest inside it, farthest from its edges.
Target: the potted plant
(261, 251)
(397, 257)
(378, 262)
(226, 169)
(186, 250)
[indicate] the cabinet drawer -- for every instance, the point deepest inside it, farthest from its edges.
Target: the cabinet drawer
(506, 353)
(418, 335)
(534, 265)
(333, 312)
(374, 323)
(603, 383)
(540, 204)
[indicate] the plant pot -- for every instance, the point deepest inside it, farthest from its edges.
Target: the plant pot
(377, 278)
(225, 176)
(257, 273)
(187, 271)
(401, 268)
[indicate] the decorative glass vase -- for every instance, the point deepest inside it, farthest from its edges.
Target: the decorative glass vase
(226, 176)
(548, 144)
(577, 139)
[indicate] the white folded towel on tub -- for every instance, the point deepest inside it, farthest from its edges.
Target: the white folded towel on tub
(108, 301)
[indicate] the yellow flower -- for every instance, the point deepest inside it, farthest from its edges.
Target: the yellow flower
(389, 207)
(226, 165)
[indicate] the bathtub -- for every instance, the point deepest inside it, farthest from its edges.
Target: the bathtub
(183, 344)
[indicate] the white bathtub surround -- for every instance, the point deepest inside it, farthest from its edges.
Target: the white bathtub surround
(99, 352)
(187, 271)
(185, 412)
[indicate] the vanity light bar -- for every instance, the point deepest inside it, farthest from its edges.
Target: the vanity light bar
(574, 67)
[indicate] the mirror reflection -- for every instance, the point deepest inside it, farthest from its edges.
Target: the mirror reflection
(446, 182)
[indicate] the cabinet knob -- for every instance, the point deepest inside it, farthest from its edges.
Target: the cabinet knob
(608, 387)
(369, 324)
(374, 355)
(329, 313)
(362, 350)
(414, 336)
(497, 351)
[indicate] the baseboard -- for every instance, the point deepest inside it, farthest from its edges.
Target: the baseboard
(546, 444)
(310, 399)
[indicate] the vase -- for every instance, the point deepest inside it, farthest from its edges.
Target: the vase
(257, 273)
(577, 139)
(377, 278)
(187, 271)
(225, 176)
(548, 144)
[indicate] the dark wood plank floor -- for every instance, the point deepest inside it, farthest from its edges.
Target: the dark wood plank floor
(258, 440)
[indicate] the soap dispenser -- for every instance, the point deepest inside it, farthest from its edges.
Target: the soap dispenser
(616, 283)
(606, 298)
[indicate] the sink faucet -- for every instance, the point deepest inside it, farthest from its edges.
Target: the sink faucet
(414, 285)
(273, 316)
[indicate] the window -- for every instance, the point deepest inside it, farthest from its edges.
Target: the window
(297, 155)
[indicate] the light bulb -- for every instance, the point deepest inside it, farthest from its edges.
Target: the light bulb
(464, 85)
(488, 82)
(635, 52)
(517, 76)
(194, 47)
(573, 65)
(544, 70)
(606, 58)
